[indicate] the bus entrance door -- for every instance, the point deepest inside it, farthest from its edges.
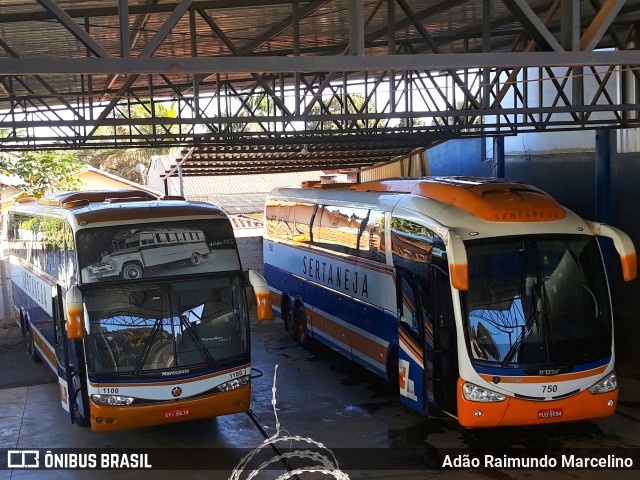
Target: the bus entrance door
(410, 352)
(446, 358)
(62, 354)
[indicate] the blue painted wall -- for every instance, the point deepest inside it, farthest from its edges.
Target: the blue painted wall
(459, 157)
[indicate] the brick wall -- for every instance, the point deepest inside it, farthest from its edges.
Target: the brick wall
(250, 250)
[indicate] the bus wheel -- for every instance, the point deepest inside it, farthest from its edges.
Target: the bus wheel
(287, 316)
(300, 321)
(31, 348)
(195, 259)
(132, 271)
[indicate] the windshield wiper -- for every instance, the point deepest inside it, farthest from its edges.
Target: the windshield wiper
(526, 328)
(198, 341)
(516, 345)
(147, 346)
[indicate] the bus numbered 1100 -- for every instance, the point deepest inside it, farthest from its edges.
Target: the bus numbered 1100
(483, 299)
(137, 304)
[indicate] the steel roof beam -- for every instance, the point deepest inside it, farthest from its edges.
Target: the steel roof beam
(600, 24)
(212, 24)
(536, 29)
(187, 65)
(148, 50)
(75, 29)
(96, 12)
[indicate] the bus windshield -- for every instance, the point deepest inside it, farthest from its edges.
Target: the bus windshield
(536, 301)
(148, 328)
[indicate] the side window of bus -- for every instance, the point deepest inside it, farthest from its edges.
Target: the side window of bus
(409, 313)
(372, 238)
(70, 256)
(281, 220)
(338, 228)
(303, 215)
(411, 241)
(52, 246)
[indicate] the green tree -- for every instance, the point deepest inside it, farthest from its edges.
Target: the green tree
(44, 171)
(122, 161)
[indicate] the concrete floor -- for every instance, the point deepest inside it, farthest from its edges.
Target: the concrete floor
(322, 396)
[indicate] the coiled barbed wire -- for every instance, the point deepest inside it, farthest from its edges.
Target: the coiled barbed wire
(323, 463)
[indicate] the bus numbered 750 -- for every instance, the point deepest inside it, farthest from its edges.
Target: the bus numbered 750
(481, 298)
(136, 303)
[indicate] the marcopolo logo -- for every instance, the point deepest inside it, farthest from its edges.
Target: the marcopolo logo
(176, 391)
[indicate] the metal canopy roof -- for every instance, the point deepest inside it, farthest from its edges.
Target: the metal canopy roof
(358, 82)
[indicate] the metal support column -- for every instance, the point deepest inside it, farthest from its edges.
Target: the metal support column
(356, 27)
(603, 175)
(498, 157)
(603, 188)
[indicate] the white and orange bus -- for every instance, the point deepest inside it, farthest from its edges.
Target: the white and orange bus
(481, 298)
(133, 343)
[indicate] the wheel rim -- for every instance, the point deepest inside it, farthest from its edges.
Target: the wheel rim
(133, 273)
(195, 259)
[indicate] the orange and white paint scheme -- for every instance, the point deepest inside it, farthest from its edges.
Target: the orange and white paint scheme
(482, 298)
(137, 303)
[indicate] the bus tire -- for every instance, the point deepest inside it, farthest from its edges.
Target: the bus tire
(132, 271)
(300, 326)
(23, 323)
(287, 316)
(196, 259)
(31, 348)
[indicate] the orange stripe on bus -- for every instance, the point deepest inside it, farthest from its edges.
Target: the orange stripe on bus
(629, 266)
(459, 275)
(343, 334)
(517, 411)
(411, 345)
(368, 347)
(46, 349)
(136, 416)
(546, 379)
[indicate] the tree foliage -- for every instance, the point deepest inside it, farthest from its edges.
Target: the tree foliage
(44, 171)
(122, 162)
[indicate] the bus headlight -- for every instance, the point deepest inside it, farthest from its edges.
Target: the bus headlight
(112, 400)
(233, 384)
(607, 384)
(474, 393)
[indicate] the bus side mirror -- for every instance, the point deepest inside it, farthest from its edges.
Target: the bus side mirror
(458, 266)
(624, 246)
(263, 299)
(74, 313)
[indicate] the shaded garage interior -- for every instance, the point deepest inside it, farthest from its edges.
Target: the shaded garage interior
(340, 85)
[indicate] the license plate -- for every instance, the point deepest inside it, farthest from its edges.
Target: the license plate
(549, 413)
(176, 412)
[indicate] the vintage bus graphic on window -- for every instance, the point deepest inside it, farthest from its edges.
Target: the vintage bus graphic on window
(133, 251)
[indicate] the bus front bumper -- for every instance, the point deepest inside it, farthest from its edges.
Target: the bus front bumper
(109, 418)
(517, 411)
